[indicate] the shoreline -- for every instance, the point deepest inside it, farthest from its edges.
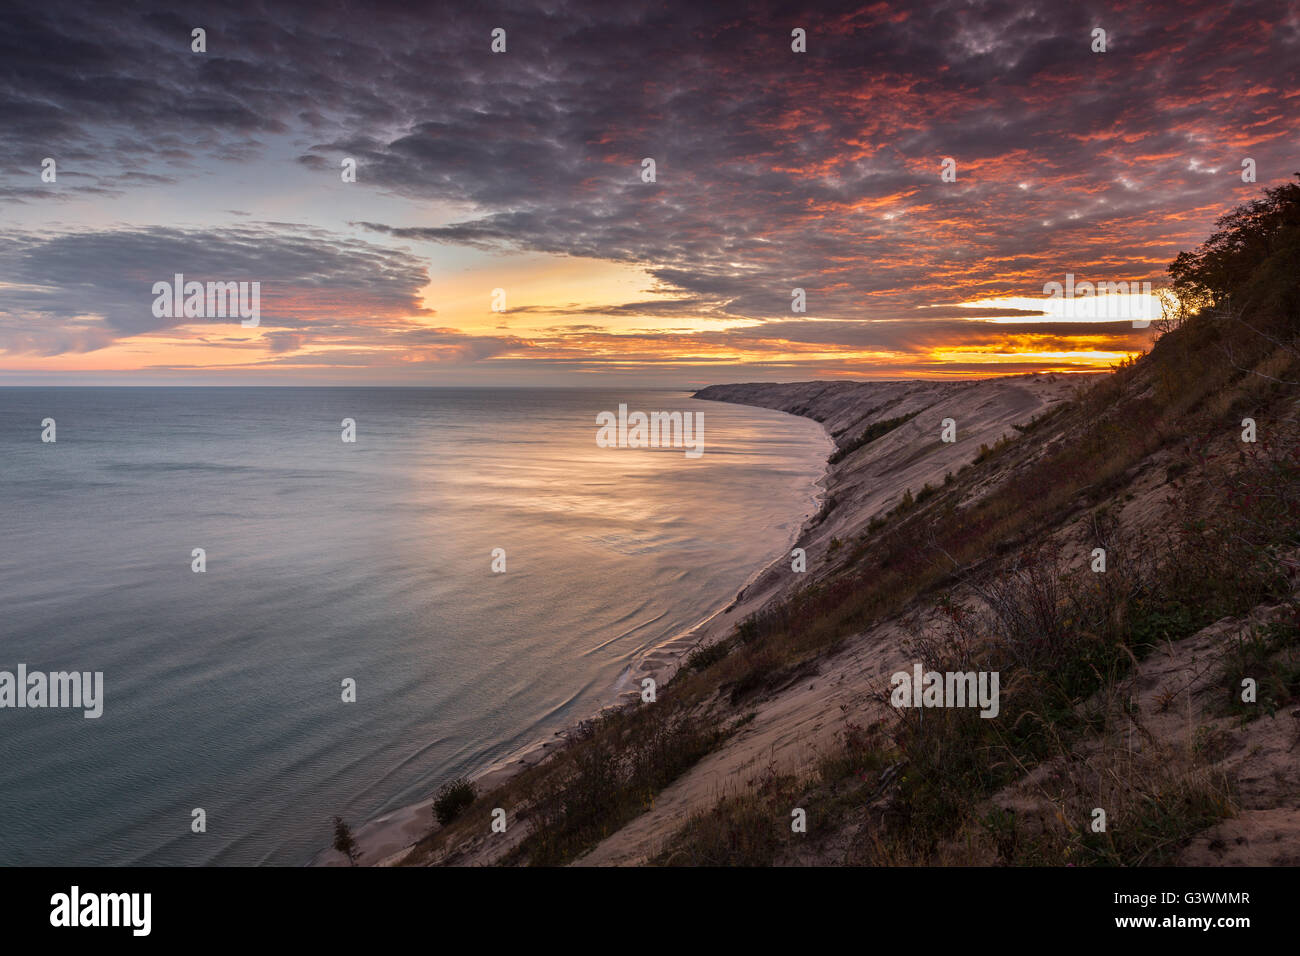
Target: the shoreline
(862, 481)
(386, 839)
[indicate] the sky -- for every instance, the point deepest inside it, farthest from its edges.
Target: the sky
(920, 171)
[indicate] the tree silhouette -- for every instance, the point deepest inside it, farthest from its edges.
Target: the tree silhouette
(344, 841)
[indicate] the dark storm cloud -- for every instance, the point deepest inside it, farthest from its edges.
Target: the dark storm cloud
(775, 170)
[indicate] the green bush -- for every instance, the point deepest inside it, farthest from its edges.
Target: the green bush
(874, 431)
(452, 799)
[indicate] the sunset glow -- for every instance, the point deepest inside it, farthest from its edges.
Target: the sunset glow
(920, 187)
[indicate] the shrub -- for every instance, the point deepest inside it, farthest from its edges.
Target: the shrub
(452, 799)
(344, 841)
(874, 431)
(703, 657)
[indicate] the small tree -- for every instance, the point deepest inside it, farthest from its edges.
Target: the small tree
(344, 842)
(451, 799)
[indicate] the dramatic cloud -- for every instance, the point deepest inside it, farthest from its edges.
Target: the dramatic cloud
(774, 170)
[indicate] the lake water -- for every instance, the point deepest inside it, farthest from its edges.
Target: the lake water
(328, 560)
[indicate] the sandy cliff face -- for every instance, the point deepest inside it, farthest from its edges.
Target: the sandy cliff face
(874, 477)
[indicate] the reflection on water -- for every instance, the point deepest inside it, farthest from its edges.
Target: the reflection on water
(325, 561)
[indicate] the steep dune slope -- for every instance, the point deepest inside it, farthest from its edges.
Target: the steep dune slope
(792, 727)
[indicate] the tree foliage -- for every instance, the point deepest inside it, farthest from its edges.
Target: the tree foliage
(1249, 263)
(344, 842)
